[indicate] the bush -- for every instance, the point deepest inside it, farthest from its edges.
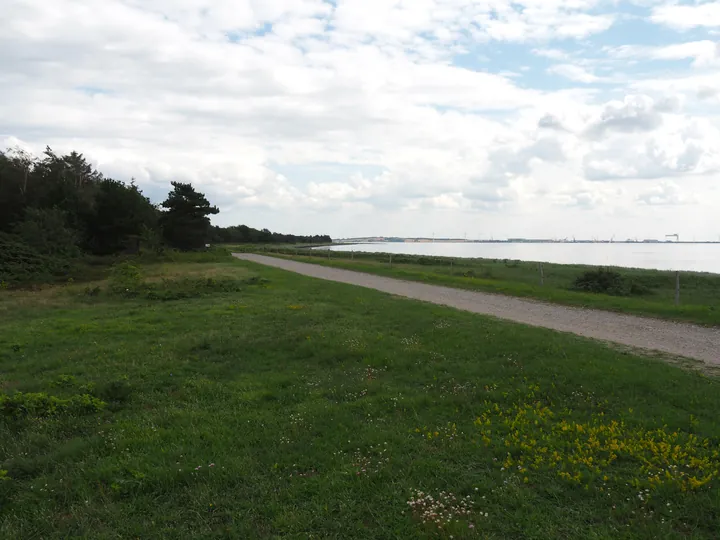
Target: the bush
(125, 280)
(21, 264)
(115, 391)
(179, 289)
(607, 281)
(46, 232)
(42, 405)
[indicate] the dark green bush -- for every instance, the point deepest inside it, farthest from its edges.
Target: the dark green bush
(608, 281)
(178, 289)
(21, 264)
(41, 405)
(115, 391)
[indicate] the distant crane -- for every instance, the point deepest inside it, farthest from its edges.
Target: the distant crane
(675, 236)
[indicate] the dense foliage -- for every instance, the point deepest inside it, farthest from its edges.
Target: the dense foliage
(608, 281)
(247, 235)
(60, 205)
(55, 209)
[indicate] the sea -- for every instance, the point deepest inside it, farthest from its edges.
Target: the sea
(694, 257)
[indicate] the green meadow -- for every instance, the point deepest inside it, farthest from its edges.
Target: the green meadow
(228, 400)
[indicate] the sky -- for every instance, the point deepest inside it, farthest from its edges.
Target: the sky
(485, 118)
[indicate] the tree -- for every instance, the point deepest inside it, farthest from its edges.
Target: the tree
(185, 222)
(120, 216)
(16, 170)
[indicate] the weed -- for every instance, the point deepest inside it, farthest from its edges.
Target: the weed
(64, 381)
(41, 405)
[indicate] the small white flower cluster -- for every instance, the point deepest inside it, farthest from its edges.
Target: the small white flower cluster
(353, 396)
(410, 342)
(297, 420)
(372, 460)
(370, 373)
(353, 344)
(442, 510)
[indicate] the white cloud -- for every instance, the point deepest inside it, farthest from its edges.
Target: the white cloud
(554, 54)
(638, 113)
(703, 53)
(249, 99)
(688, 16)
(574, 73)
(681, 147)
(663, 194)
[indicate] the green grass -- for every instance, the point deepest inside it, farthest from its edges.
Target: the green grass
(300, 408)
(700, 292)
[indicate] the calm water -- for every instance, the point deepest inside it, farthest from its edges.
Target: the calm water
(664, 256)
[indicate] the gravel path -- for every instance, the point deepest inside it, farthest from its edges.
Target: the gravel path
(677, 339)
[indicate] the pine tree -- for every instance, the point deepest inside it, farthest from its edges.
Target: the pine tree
(185, 222)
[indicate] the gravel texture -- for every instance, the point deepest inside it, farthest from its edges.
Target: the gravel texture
(677, 339)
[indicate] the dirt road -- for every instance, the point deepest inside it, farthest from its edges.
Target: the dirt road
(677, 339)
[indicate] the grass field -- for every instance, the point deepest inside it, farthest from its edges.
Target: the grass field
(700, 292)
(228, 400)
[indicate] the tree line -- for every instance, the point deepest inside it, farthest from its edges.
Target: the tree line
(242, 234)
(54, 208)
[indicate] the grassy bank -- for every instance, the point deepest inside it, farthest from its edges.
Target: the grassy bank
(653, 291)
(230, 400)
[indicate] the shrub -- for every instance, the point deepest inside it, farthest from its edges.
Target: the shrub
(125, 280)
(115, 391)
(607, 281)
(20, 263)
(178, 289)
(41, 405)
(45, 230)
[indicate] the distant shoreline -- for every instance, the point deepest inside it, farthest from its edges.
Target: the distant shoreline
(350, 242)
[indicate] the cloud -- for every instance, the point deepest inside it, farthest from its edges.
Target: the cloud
(332, 116)
(550, 121)
(634, 114)
(665, 194)
(682, 148)
(554, 54)
(574, 73)
(707, 92)
(704, 53)
(687, 16)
